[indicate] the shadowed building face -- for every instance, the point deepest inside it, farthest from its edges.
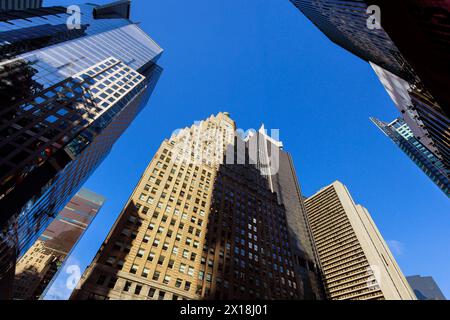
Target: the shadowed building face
(197, 228)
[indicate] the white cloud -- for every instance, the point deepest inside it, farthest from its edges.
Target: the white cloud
(396, 247)
(61, 288)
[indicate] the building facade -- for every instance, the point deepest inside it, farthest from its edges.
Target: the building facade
(422, 37)
(355, 260)
(421, 113)
(70, 89)
(279, 171)
(345, 22)
(198, 227)
(430, 163)
(419, 92)
(36, 269)
(425, 288)
(8, 5)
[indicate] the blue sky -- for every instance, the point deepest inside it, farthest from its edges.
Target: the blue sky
(264, 62)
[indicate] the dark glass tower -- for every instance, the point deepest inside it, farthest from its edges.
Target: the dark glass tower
(345, 23)
(413, 49)
(68, 94)
(400, 133)
(425, 288)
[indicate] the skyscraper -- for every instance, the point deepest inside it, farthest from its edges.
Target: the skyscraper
(355, 260)
(278, 168)
(422, 35)
(36, 269)
(425, 288)
(70, 84)
(345, 22)
(421, 113)
(199, 227)
(422, 89)
(401, 134)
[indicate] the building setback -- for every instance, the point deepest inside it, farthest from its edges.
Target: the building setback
(67, 95)
(37, 268)
(425, 288)
(355, 260)
(198, 227)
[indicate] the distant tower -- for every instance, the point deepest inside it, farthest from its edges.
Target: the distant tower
(356, 262)
(401, 134)
(425, 288)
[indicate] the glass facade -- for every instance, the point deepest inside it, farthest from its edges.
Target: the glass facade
(39, 265)
(68, 95)
(427, 161)
(345, 23)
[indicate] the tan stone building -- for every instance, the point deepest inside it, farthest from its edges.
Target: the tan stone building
(355, 260)
(196, 228)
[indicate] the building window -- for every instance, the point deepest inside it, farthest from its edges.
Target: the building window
(134, 269)
(127, 286)
(138, 289)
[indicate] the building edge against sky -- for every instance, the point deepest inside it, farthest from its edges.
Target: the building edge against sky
(356, 261)
(401, 134)
(346, 24)
(97, 91)
(216, 231)
(40, 265)
(425, 288)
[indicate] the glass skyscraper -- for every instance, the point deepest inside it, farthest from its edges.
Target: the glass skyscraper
(345, 23)
(401, 134)
(68, 91)
(417, 92)
(38, 267)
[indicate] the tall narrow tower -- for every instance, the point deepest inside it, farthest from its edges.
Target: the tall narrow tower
(278, 168)
(356, 262)
(198, 227)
